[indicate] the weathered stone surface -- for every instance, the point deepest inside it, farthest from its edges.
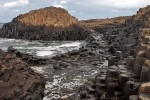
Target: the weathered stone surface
(145, 88)
(144, 77)
(137, 68)
(126, 37)
(17, 80)
(140, 60)
(48, 23)
(147, 63)
(131, 88)
(148, 53)
(111, 61)
(130, 61)
(123, 78)
(133, 97)
(142, 53)
(144, 97)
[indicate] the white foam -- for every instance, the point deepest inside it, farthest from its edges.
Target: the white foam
(38, 69)
(37, 48)
(70, 44)
(44, 53)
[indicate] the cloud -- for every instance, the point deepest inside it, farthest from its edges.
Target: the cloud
(123, 4)
(72, 11)
(14, 4)
(9, 5)
(82, 9)
(63, 2)
(60, 3)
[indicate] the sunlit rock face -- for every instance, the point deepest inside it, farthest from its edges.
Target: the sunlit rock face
(48, 23)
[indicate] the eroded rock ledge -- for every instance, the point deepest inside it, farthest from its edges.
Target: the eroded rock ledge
(48, 23)
(17, 80)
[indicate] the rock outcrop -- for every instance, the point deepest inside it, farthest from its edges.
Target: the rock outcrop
(17, 80)
(127, 76)
(29, 59)
(49, 23)
(101, 25)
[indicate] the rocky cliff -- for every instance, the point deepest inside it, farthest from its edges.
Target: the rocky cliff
(127, 76)
(49, 23)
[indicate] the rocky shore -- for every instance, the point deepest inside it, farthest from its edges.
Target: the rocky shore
(127, 75)
(123, 42)
(17, 80)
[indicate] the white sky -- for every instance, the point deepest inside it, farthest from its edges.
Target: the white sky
(82, 9)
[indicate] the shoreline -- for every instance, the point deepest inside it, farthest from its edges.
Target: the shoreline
(124, 43)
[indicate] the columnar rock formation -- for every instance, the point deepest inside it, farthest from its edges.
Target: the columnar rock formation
(49, 23)
(127, 76)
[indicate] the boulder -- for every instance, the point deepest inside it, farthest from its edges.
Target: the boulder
(145, 88)
(11, 49)
(133, 97)
(18, 81)
(142, 53)
(147, 63)
(144, 97)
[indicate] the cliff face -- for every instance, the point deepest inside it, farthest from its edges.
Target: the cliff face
(127, 76)
(49, 23)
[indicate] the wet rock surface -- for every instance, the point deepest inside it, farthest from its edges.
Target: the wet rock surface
(124, 44)
(66, 72)
(29, 59)
(17, 80)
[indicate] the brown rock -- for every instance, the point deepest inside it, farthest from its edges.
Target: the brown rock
(142, 53)
(130, 61)
(18, 81)
(148, 53)
(147, 63)
(145, 88)
(54, 24)
(133, 97)
(144, 97)
(144, 77)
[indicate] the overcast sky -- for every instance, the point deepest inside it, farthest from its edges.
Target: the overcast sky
(82, 9)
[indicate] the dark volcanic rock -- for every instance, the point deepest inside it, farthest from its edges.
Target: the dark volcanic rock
(127, 75)
(17, 80)
(49, 23)
(29, 59)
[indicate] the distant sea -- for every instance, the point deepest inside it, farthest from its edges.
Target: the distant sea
(1, 24)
